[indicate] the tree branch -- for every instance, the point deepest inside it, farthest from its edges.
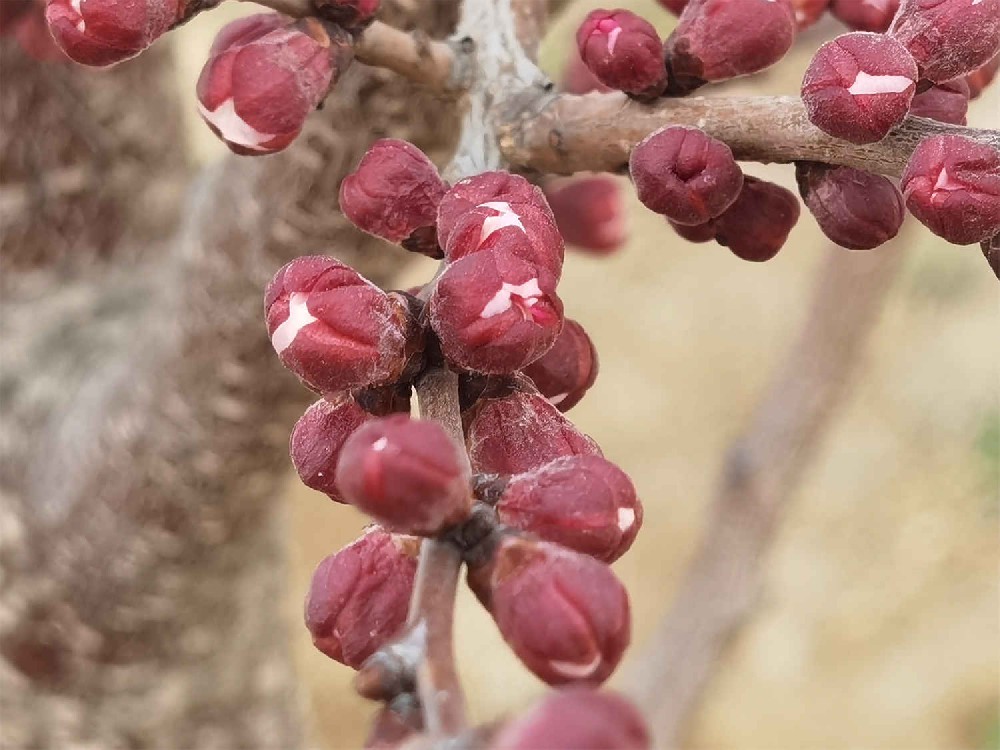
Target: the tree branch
(414, 55)
(759, 477)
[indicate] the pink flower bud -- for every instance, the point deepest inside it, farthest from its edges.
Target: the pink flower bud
(578, 718)
(865, 15)
(857, 210)
(351, 14)
(952, 185)
(585, 503)
(982, 76)
(104, 32)
(317, 439)
(566, 371)
(264, 76)
(494, 312)
(516, 433)
(335, 329)
(394, 194)
(756, 226)
(808, 12)
(684, 174)
(944, 102)
(623, 51)
(564, 614)
(405, 473)
(859, 86)
(720, 39)
(589, 211)
(948, 38)
(577, 78)
(359, 597)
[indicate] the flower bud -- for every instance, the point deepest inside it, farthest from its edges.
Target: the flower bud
(518, 432)
(859, 86)
(104, 32)
(577, 78)
(12, 11)
(982, 76)
(684, 174)
(864, 15)
(589, 212)
(697, 233)
(351, 14)
(808, 12)
(623, 51)
(264, 76)
(857, 210)
(317, 439)
(952, 185)
(405, 473)
(564, 614)
(26, 24)
(566, 371)
(494, 312)
(756, 226)
(394, 194)
(944, 102)
(948, 38)
(335, 329)
(674, 6)
(579, 718)
(359, 597)
(720, 39)
(585, 503)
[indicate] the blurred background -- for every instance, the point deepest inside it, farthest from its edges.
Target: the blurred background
(879, 624)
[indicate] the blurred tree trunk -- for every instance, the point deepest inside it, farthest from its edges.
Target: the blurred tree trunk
(144, 442)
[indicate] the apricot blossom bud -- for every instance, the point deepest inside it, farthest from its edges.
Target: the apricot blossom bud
(405, 473)
(394, 194)
(857, 210)
(580, 718)
(944, 102)
(948, 38)
(577, 78)
(859, 86)
(952, 185)
(623, 51)
(564, 614)
(566, 371)
(865, 15)
(351, 14)
(585, 503)
(26, 23)
(982, 76)
(264, 75)
(756, 226)
(674, 6)
(808, 12)
(317, 439)
(696, 233)
(518, 432)
(104, 32)
(335, 329)
(589, 212)
(684, 174)
(359, 596)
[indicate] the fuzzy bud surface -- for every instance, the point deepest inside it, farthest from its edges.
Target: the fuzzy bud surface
(944, 102)
(865, 15)
(104, 32)
(566, 371)
(756, 226)
(317, 439)
(948, 38)
(623, 51)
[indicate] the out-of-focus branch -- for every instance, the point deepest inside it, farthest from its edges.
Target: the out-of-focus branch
(759, 477)
(414, 55)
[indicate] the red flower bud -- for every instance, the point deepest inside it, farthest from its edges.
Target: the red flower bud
(317, 439)
(696, 233)
(566, 371)
(351, 14)
(944, 102)
(494, 312)
(684, 174)
(264, 76)
(859, 86)
(14, 10)
(720, 39)
(981, 77)
(865, 15)
(519, 432)
(335, 329)
(405, 473)
(359, 597)
(577, 78)
(31, 32)
(589, 211)
(952, 185)
(623, 51)
(585, 503)
(756, 226)
(578, 718)
(857, 210)
(948, 38)
(808, 12)
(564, 614)
(394, 194)
(103, 32)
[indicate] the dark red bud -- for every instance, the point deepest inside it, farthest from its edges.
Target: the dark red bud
(579, 718)
(317, 439)
(952, 185)
(394, 194)
(585, 503)
(104, 32)
(857, 210)
(981, 77)
(351, 14)
(944, 102)
(948, 38)
(865, 15)
(590, 212)
(14, 10)
(359, 597)
(697, 233)
(564, 614)
(674, 6)
(756, 226)
(623, 51)
(405, 473)
(577, 78)
(566, 371)
(859, 86)
(684, 174)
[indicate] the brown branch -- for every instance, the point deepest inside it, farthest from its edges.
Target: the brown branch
(760, 475)
(413, 55)
(563, 134)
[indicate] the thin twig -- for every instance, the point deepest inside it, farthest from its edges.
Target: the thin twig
(412, 54)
